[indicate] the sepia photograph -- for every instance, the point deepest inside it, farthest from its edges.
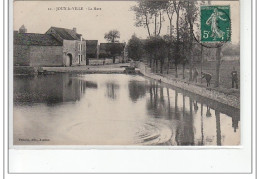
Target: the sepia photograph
(126, 73)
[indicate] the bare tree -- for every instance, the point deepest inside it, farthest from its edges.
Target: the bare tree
(143, 17)
(148, 13)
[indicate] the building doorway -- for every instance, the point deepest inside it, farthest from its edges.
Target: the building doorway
(69, 60)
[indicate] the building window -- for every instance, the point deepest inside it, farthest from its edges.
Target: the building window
(80, 58)
(80, 47)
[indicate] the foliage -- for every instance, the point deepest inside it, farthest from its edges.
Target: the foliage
(114, 49)
(112, 36)
(157, 47)
(135, 48)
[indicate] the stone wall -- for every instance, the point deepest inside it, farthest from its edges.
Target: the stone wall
(36, 56)
(46, 56)
(21, 55)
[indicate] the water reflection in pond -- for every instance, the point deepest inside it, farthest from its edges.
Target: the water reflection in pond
(116, 109)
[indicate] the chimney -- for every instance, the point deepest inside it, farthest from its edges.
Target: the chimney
(74, 29)
(22, 29)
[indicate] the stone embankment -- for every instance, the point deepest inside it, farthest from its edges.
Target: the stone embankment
(202, 91)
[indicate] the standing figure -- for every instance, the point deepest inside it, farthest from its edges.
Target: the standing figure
(195, 75)
(234, 78)
(213, 22)
(207, 76)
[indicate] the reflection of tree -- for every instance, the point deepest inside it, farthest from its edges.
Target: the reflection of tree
(196, 106)
(185, 132)
(112, 90)
(201, 126)
(136, 90)
(161, 96)
(160, 107)
(208, 113)
(157, 106)
(235, 120)
(218, 130)
(169, 104)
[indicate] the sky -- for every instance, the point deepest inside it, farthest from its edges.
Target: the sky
(39, 16)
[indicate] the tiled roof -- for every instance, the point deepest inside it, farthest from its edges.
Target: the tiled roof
(35, 39)
(67, 34)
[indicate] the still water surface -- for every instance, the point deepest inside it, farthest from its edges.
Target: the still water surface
(116, 109)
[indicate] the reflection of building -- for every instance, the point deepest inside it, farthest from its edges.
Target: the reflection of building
(57, 47)
(49, 89)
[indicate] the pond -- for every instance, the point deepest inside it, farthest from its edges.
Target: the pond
(116, 109)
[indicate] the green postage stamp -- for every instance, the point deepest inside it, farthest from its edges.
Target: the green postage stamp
(215, 23)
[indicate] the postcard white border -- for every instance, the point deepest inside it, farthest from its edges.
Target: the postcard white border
(235, 160)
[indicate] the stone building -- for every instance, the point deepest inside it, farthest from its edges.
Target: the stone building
(74, 46)
(57, 47)
(32, 49)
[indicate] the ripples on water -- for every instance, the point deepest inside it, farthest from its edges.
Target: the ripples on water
(116, 109)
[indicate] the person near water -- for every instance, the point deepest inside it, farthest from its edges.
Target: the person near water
(207, 76)
(234, 76)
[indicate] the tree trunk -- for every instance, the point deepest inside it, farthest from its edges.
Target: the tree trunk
(176, 71)
(168, 66)
(191, 65)
(114, 59)
(183, 71)
(150, 60)
(156, 66)
(218, 58)
(161, 67)
(155, 24)
(190, 41)
(177, 27)
(160, 27)
(170, 27)
(147, 25)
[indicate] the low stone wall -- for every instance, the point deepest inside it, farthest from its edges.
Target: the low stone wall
(25, 70)
(202, 91)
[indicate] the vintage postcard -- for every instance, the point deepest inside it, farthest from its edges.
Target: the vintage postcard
(126, 73)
